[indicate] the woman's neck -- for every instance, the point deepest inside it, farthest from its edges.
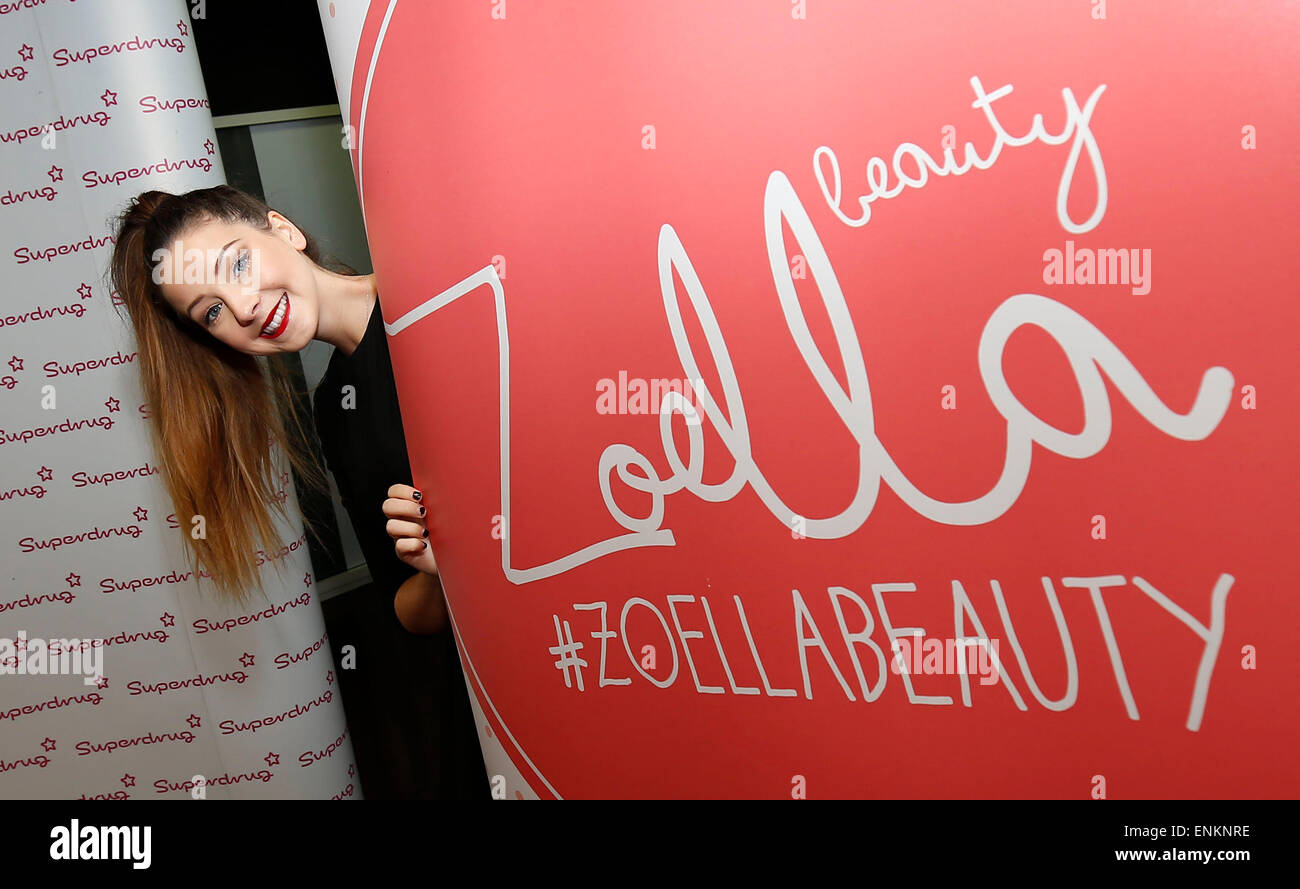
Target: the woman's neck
(344, 306)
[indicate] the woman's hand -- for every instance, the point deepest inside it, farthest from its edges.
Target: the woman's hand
(406, 525)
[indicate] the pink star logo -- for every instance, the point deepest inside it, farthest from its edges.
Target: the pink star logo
(103, 682)
(20, 644)
(113, 405)
(183, 28)
(141, 514)
(85, 291)
(73, 580)
(329, 677)
(48, 744)
(15, 364)
(167, 620)
(128, 780)
(306, 578)
(194, 721)
(109, 98)
(26, 53)
(45, 473)
(207, 143)
(247, 659)
(272, 759)
(55, 173)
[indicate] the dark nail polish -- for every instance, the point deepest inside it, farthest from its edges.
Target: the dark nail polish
(421, 510)
(426, 533)
(417, 495)
(425, 544)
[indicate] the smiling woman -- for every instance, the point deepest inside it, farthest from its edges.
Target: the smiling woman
(217, 285)
(219, 288)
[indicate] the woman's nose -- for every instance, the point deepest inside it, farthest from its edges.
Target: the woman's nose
(247, 305)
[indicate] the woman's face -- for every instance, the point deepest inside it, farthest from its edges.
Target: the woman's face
(252, 289)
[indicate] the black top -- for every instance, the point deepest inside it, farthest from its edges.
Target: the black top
(365, 450)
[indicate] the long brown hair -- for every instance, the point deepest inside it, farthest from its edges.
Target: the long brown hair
(216, 411)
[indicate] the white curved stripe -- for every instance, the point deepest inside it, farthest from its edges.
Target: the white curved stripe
(365, 102)
(401, 323)
(465, 650)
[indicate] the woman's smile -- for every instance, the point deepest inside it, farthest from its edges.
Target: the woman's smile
(278, 320)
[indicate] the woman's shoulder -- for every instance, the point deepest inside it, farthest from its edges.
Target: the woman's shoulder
(331, 383)
(367, 372)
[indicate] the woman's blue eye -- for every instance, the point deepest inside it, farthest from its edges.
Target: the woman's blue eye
(211, 314)
(240, 264)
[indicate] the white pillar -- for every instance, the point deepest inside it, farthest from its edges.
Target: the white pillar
(89, 547)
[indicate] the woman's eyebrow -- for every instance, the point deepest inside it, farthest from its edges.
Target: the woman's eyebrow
(221, 253)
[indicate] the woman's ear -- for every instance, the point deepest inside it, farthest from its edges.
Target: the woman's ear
(282, 227)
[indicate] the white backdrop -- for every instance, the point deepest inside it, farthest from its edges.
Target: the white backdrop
(99, 102)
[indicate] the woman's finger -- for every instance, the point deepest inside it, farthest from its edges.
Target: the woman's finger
(397, 528)
(405, 492)
(407, 547)
(396, 508)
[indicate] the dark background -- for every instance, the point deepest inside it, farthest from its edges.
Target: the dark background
(262, 56)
